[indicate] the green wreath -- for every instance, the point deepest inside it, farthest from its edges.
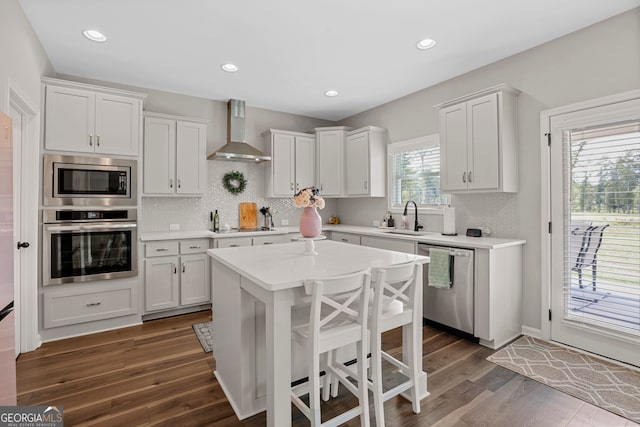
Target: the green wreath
(234, 182)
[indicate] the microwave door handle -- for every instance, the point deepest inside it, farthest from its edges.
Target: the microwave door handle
(91, 227)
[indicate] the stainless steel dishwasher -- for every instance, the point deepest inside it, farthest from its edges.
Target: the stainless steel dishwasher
(452, 306)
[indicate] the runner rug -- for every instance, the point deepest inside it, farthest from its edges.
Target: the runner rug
(204, 332)
(601, 383)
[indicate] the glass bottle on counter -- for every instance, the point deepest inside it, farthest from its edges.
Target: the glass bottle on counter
(216, 221)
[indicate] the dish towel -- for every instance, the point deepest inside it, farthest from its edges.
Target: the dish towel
(439, 276)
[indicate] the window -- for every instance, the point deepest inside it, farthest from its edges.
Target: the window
(414, 173)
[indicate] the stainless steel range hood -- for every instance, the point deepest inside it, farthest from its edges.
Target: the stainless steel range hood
(236, 148)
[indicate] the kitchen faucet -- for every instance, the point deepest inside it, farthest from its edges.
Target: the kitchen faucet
(416, 225)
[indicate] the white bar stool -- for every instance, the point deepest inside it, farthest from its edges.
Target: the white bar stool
(338, 316)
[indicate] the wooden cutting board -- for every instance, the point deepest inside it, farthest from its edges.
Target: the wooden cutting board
(248, 215)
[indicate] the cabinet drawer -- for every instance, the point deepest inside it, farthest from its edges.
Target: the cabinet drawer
(270, 240)
(194, 246)
(67, 308)
(233, 242)
(354, 239)
(163, 248)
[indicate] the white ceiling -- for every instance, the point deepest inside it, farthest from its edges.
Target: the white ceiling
(290, 51)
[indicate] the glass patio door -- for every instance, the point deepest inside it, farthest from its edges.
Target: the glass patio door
(595, 240)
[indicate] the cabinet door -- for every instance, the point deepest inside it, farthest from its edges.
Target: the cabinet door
(194, 279)
(482, 137)
(330, 147)
(161, 283)
(305, 162)
(117, 125)
(453, 148)
(357, 164)
(159, 156)
(233, 242)
(191, 146)
(282, 158)
(69, 119)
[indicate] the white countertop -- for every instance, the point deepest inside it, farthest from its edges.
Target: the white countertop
(277, 267)
(460, 241)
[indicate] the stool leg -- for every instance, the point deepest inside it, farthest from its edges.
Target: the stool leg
(363, 388)
(415, 365)
(314, 389)
(376, 376)
(331, 359)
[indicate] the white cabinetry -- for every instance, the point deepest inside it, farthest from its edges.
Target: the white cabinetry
(366, 162)
(478, 134)
(389, 244)
(91, 119)
(174, 155)
(232, 242)
(176, 274)
(330, 160)
(292, 165)
(353, 239)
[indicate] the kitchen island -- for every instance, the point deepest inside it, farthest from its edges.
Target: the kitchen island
(253, 290)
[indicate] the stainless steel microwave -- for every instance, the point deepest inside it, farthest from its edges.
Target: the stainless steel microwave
(88, 181)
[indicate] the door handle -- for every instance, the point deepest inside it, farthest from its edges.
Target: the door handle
(23, 245)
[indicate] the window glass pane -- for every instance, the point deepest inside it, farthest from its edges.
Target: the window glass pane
(415, 176)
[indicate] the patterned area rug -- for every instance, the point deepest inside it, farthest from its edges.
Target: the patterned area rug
(604, 384)
(204, 332)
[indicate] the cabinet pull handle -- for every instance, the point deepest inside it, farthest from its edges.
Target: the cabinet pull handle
(365, 185)
(291, 185)
(179, 184)
(194, 247)
(297, 186)
(321, 187)
(469, 175)
(234, 246)
(183, 269)
(170, 183)
(93, 304)
(98, 140)
(90, 139)
(175, 270)
(162, 250)
(267, 243)
(464, 177)
(345, 240)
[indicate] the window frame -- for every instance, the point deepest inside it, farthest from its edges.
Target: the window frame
(421, 142)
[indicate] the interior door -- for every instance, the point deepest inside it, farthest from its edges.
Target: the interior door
(595, 239)
(17, 133)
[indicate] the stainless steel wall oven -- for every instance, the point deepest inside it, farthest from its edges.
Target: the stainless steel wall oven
(82, 245)
(88, 181)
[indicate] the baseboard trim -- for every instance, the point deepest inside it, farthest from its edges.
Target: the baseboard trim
(532, 332)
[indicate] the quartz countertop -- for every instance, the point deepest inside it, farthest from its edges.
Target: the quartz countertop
(277, 267)
(460, 241)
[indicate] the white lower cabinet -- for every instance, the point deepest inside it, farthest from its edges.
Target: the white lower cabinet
(176, 274)
(389, 244)
(354, 239)
(232, 242)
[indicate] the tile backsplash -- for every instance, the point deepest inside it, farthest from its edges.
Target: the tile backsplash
(192, 213)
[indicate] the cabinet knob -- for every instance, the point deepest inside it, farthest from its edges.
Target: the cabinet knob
(464, 176)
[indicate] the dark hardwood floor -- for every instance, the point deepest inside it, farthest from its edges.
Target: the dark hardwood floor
(157, 374)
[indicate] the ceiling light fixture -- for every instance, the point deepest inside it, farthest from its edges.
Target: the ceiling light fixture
(94, 35)
(331, 93)
(425, 44)
(229, 68)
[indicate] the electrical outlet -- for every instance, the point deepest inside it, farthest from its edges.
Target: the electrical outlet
(174, 227)
(376, 223)
(284, 222)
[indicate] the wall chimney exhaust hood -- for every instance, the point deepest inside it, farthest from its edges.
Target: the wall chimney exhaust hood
(236, 148)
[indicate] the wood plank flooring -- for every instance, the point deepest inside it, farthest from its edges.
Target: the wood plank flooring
(157, 374)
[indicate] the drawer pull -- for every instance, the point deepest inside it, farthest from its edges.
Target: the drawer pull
(345, 240)
(234, 246)
(93, 304)
(194, 247)
(162, 250)
(267, 243)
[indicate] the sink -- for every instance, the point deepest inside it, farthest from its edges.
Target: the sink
(412, 233)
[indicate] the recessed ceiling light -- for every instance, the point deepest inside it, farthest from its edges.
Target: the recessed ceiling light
(94, 35)
(229, 68)
(331, 93)
(425, 44)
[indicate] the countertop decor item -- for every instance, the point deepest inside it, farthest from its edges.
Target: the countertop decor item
(234, 182)
(310, 221)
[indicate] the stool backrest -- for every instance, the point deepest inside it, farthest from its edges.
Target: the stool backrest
(396, 284)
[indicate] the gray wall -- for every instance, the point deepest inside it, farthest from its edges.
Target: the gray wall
(600, 60)
(23, 58)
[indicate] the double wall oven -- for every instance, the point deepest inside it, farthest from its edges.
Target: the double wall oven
(89, 219)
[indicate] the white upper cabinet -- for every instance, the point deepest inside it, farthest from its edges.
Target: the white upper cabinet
(330, 160)
(366, 163)
(174, 155)
(292, 165)
(478, 148)
(91, 119)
